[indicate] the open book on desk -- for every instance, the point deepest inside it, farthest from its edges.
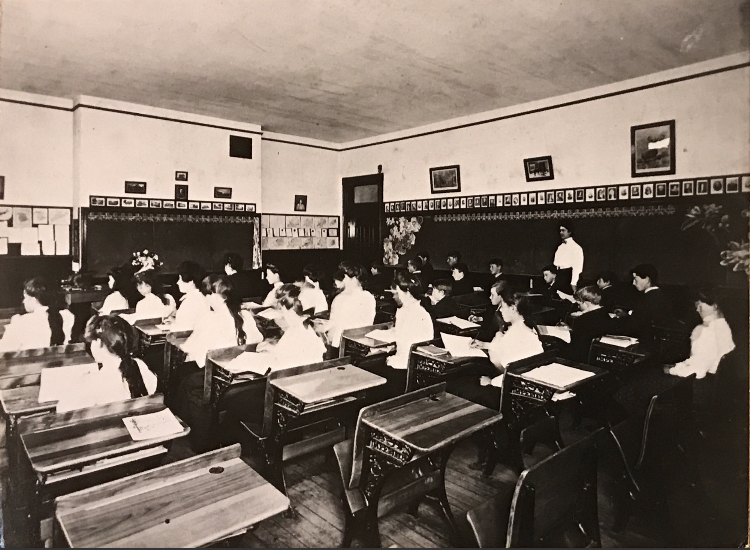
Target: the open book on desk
(385, 336)
(563, 333)
(458, 322)
(557, 376)
(153, 425)
(460, 346)
(251, 362)
(618, 341)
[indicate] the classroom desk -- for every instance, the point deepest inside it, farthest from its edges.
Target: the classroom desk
(421, 429)
(429, 369)
(174, 356)
(191, 503)
(312, 394)
(73, 295)
(23, 368)
(449, 328)
(219, 378)
(360, 348)
(151, 348)
(77, 449)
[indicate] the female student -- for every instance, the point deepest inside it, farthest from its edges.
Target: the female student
(42, 325)
(273, 276)
(193, 304)
(299, 345)
(310, 294)
(115, 300)
(120, 376)
(354, 307)
(155, 303)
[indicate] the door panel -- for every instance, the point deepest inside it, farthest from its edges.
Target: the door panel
(363, 200)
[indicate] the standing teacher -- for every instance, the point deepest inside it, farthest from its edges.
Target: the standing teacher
(568, 259)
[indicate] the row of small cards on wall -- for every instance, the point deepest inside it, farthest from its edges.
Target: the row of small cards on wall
(281, 232)
(123, 202)
(35, 230)
(637, 191)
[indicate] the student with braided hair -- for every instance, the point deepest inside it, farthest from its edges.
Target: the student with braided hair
(42, 325)
(120, 376)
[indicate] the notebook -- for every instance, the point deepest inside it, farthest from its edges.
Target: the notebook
(433, 351)
(57, 382)
(460, 346)
(250, 361)
(557, 375)
(619, 341)
(458, 322)
(562, 333)
(387, 336)
(150, 426)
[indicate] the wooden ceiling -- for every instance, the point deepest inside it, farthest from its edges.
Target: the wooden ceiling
(340, 70)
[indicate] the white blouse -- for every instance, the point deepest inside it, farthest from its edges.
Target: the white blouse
(516, 343)
(570, 255)
(193, 306)
(299, 345)
(271, 296)
(413, 324)
(350, 310)
(709, 342)
(113, 302)
(216, 330)
(31, 330)
(105, 386)
(313, 297)
(151, 307)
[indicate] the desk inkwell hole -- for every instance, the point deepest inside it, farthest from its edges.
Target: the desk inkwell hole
(341, 368)
(166, 521)
(434, 397)
(215, 470)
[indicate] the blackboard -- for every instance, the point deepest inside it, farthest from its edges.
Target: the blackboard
(110, 238)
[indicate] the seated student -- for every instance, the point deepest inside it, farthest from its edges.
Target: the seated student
(593, 322)
(115, 300)
(273, 276)
(461, 284)
(553, 290)
(709, 341)
(414, 266)
(442, 305)
(377, 282)
(413, 324)
(353, 307)
(242, 285)
(155, 303)
(496, 270)
(653, 308)
(606, 282)
(491, 320)
(121, 376)
(519, 341)
(299, 345)
(428, 272)
(193, 304)
(452, 258)
(42, 325)
(311, 295)
(338, 283)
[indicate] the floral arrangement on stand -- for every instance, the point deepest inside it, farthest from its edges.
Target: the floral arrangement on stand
(143, 261)
(712, 219)
(400, 239)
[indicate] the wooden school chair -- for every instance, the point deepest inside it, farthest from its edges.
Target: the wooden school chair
(553, 503)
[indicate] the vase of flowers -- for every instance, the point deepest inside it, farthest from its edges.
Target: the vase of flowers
(145, 260)
(401, 237)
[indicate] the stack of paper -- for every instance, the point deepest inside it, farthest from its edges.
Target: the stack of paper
(150, 426)
(563, 333)
(458, 322)
(387, 336)
(619, 341)
(249, 361)
(57, 382)
(460, 346)
(557, 375)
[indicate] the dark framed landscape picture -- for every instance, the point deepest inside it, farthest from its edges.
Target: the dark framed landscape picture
(652, 149)
(138, 187)
(538, 168)
(445, 179)
(222, 192)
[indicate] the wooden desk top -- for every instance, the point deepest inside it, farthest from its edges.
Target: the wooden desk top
(84, 295)
(177, 339)
(151, 329)
(28, 373)
(519, 368)
(56, 442)
(178, 505)
(448, 358)
(24, 401)
(430, 423)
(320, 385)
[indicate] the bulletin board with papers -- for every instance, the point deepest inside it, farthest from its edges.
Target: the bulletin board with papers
(299, 232)
(35, 231)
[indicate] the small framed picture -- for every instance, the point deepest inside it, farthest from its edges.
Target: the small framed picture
(470, 202)
(443, 204)
(515, 200)
(733, 184)
(250, 207)
(688, 188)
(611, 193)
(218, 206)
(538, 168)
(570, 195)
(182, 205)
(111, 201)
(491, 201)
(540, 196)
(580, 195)
(652, 149)
(141, 203)
(194, 205)
(701, 187)
(127, 203)
(601, 193)
(463, 202)
(181, 190)
(420, 205)
(168, 204)
(674, 188)
(154, 203)
(590, 194)
(181, 176)
(222, 192)
(138, 187)
(559, 196)
(550, 197)
(431, 204)
(532, 199)
(648, 190)
(624, 192)
(228, 206)
(97, 201)
(205, 206)
(300, 203)
(717, 186)
(660, 189)
(635, 191)
(485, 200)
(239, 207)
(445, 179)
(745, 184)
(507, 200)
(498, 200)
(524, 199)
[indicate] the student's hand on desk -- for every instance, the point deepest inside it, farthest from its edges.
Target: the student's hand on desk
(485, 381)
(667, 367)
(475, 318)
(478, 344)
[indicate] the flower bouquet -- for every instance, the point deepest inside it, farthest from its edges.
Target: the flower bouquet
(145, 260)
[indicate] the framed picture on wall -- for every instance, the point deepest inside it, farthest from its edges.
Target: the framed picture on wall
(300, 203)
(538, 168)
(138, 187)
(701, 187)
(652, 149)
(445, 179)
(222, 192)
(181, 191)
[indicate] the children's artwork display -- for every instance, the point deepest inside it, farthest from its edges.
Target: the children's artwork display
(35, 231)
(298, 232)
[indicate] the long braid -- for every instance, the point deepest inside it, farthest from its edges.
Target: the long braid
(57, 334)
(239, 323)
(131, 373)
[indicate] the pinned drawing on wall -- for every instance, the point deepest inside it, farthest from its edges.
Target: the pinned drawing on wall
(652, 149)
(181, 190)
(138, 187)
(180, 176)
(445, 179)
(300, 203)
(538, 168)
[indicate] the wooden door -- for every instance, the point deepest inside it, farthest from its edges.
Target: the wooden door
(363, 210)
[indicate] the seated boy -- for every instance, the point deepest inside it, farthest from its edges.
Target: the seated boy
(441, 303)
(461, 284)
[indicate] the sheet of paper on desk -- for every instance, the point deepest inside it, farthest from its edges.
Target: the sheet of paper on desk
(460, 346)
(557, 375)
(458, 322)
(558, 332)
(249, 361)
(251, 305)
(59, 381)
(387, 336)
(270, 314)
(150, 426)
(619, 341)
(132, 317)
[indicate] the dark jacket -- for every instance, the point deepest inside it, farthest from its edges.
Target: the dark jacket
(446, 307)
(462, 287)
(586, 327)
(243, 285)
(652, 309)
